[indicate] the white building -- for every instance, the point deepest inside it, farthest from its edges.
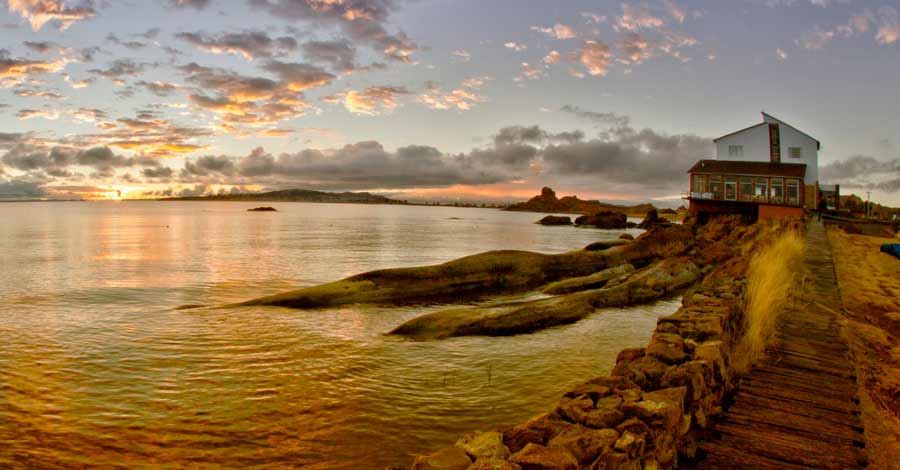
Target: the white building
(775, 141)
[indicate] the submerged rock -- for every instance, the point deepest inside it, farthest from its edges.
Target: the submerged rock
(556, 220)
(450, 458)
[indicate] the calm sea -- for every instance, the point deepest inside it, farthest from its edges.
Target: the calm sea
(98, 370)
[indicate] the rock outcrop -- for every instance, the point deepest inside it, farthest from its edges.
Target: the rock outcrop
(652, 219)
(477, 276)
(262, 209)
(642, 286)
(548, 202)
(604, 220)
(556, 220)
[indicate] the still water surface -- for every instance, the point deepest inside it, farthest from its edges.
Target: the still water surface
(98, 370)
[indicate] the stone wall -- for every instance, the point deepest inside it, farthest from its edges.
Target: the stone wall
(647, 414)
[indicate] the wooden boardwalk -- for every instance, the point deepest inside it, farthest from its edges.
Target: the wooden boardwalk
(799, 409)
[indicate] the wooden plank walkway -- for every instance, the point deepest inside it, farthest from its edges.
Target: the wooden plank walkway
(799, 409)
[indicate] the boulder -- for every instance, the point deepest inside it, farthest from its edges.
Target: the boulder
(659, 408)
(667, 347)
(626, 236)
(449, 458)
(583, 410)
(484, 445)
(556, 220)
(585, 444)
(537, 430)
(605, 245)
(538, 457)
(652, 219)
(604, 220)
(630, 444)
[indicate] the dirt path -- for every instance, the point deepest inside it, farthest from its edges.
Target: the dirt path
(799, 409)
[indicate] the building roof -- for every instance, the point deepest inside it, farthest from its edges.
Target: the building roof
(766, 118)
(790, 170)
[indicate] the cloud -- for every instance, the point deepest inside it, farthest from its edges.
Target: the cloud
(40, 12)
(298, 76)
(817, 39)
(198, 4)
(557, 31)
(42, 47)
(515, 46)
(635, 48)
(249, 44)
(598, 118)
(15, 71)
(374, 100)
(888, 25)
(460, 99)
(864, 172)
(15, 189)
(676, 12)
(781, 54)
(120, 69)
(340, 55)
(637, 18)
(160, 89)
(462, 54)
(362, 21)
(596, 57)
(529, 71)
(37, 113)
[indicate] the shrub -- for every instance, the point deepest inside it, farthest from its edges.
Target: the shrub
(772, 279)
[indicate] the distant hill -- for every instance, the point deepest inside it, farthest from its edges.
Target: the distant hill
(295, 195)
(548, 202)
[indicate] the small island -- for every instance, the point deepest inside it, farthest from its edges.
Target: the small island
(263, 209)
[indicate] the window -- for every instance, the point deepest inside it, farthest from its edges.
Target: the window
(730, 188)
(792, 191)
(746, 189)
(762, 189)
(735, 150)
(776, 190)
(795, 152)
(715, 186)
(699, 183)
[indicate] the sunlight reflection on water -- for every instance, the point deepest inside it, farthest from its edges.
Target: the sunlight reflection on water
(97, 369)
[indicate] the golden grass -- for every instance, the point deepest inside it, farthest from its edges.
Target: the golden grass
(870, 291)
(772, 279)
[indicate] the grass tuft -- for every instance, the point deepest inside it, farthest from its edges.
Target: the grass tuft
(772, 279)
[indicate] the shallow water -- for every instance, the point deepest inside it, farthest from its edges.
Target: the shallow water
(98, 369)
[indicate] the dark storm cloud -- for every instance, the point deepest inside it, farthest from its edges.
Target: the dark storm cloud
(250, 44)
(362, 21)
(863, 172)
(209, 164)
(159, 172)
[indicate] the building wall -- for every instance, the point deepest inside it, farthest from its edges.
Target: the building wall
(793, 138)
(755, 141)
(756, 148)
(767, 212)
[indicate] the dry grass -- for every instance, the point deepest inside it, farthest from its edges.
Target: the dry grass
(870, 291)
(772, 279)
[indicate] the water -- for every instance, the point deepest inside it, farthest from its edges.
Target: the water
(97, 369)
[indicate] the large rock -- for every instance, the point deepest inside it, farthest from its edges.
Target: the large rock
(450, 458)
(583, 410)
(606, 244)
(585, 444)
(604, 220)
(594, 281)
(652, 219)
(537, 430)
(663, 408)
(667, 347)
(556, 220)
(538, 457)
(484, 445)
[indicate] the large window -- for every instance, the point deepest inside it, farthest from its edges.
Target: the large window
(795, 152)
(735, 150)
(715, 186)
(700, 183)
(746, 188)
(776, 190)
(731, 188)
(792, 191)
(762, 189)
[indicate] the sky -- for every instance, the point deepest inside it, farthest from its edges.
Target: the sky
(434, 99)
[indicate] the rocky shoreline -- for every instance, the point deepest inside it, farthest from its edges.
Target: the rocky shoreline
(649, 412)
